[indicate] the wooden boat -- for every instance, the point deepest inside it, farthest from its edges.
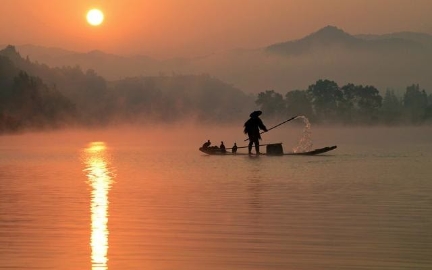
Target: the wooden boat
(272, 150)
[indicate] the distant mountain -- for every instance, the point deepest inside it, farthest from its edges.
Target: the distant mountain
(389, 61)
(393, 60)
(420, 38)
(331, 38)
(34, 95)
(109, 65)
(328, 36)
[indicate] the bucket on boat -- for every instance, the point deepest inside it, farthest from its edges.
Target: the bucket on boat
(274, 149)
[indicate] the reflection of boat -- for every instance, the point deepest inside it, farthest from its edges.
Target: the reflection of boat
(274, 149)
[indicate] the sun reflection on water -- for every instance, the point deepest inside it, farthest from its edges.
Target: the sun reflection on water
(100, 178)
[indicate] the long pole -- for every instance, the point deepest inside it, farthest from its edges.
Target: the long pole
(292, 118)
(247, 146)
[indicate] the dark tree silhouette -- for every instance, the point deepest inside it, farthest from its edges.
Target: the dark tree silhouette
(347, 107)
(272, 103)
(369, 102)
(298, 102)
(415, 103)
(33, 105)
(35, 96)
(391, 110)
(326, 96)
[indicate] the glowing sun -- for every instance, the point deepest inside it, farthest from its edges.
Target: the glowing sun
(95, 17)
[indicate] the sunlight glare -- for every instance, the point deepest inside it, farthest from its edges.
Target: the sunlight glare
(100, 179)
(95, 17)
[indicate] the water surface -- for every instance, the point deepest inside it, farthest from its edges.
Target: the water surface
(106, 200)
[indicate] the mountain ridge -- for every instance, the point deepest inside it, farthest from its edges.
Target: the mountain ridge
(330, 37)
(392, 60)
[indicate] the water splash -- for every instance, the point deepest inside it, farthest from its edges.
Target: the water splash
(305, 142)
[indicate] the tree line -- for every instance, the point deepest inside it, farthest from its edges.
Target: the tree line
(35, 96)
(326, 102)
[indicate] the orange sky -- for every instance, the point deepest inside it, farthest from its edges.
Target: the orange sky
(167, 28)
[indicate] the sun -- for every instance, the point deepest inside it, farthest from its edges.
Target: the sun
(95, 17)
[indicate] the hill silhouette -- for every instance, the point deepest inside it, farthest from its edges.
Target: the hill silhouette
(392, 60)
(333, 38)
(34, 96)
(327, 37)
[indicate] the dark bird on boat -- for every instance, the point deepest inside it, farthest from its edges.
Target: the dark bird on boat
(234, 148)
(222, 147)
(206, 144)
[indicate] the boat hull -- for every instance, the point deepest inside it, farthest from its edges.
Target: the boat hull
(216, 151)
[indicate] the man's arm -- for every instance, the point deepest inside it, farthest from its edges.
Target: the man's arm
(261, 125)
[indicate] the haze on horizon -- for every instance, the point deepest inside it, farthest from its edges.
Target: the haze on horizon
(188, 28)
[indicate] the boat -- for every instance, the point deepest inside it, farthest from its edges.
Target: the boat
(274, 149)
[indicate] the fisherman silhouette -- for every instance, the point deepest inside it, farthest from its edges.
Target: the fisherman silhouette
(234, 148)
(222, 147)
(206, 144)
(252, 129)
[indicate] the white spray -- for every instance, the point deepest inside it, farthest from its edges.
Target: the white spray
(305, 142)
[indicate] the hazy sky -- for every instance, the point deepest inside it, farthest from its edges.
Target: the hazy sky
(167, 28)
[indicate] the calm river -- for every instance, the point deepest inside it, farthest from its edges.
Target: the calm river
(135, 199)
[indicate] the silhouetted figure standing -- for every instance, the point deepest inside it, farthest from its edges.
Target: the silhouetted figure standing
(234, 148)
(222, 147)
(206, 144)
(252, 129)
